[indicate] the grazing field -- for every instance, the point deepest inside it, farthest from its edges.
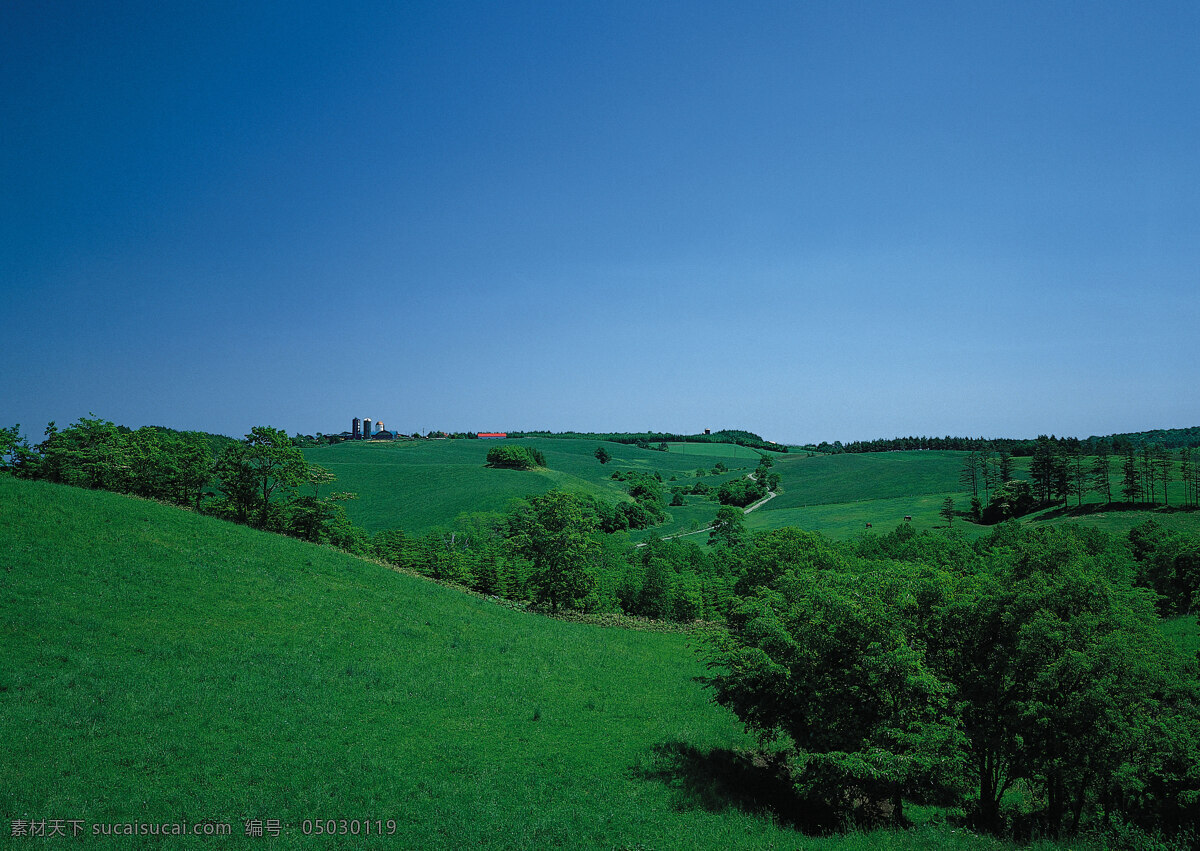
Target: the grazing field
(162, 667)
(720, 450)
(416, 485)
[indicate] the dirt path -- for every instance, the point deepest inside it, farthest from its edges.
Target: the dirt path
(754, 506)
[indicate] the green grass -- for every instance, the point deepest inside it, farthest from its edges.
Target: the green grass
(161, 666)
(719, 450)
(416, 485)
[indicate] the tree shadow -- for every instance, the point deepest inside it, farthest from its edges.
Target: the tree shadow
(721, 779)
(1072, 511)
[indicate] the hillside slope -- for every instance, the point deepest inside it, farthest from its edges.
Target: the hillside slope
(417, 485)
(165, 666)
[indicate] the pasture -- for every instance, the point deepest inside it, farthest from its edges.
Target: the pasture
(418, 485)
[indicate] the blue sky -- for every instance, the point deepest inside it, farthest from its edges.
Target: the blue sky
(816, 221)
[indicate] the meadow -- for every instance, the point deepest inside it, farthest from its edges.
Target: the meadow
(162, 666)
(417, 485)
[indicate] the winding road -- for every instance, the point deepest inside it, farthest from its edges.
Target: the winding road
(751, 507)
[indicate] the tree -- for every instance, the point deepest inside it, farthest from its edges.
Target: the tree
(1004, 466)
(823, 663)
(558, 537)
(603, 455)
(947, 511)
(515, 457)
(1163, 468)
(1131, 477)
(1101, 481)
(253, 470)
(1077, 476)
(9, 440)
(729, 527)
(1048, 470)
(969, 475)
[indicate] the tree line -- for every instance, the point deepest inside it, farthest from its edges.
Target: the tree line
(659, 439)
(1113, 444)
(1062, 471)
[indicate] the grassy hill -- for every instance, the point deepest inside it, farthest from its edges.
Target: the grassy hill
(162, 666)
(415, 485)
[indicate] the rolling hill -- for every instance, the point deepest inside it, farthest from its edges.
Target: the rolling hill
(416, 485)
(165, 667)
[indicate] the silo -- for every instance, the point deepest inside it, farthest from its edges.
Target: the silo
(356, 430)
(366, 428)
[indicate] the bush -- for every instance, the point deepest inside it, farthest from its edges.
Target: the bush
(515, 457)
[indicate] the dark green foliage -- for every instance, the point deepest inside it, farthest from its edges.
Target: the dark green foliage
(1168, 563)
(826, 661)
(151, 462)
(1030, 662)
(515, 457)
(253, 470)
(1012, 499)
(558, 538)
(728, 527)
(741, 492)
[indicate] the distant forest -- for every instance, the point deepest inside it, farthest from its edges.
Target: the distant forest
(654, 439)
(1115, 444)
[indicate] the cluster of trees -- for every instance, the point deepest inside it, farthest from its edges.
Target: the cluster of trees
(515, 457)
(261, 481)
(750, 489)
(151, 462)
(918, 668)
(645, 511)
(1062, 470)
(659, 440)
(552, 550)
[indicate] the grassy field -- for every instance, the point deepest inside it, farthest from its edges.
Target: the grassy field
(719, 450)
(416, 485)
(166, 667)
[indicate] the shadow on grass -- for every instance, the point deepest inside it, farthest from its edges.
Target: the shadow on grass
(1089, 508)
(721, 779)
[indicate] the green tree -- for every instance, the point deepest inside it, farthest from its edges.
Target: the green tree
(947, 511)
(10, 439)
(823, 664)
(257, 468)
(1101, 480)
(969, 475)
(729, 527)
(515, 457)
(1131, 477)
(557, 536)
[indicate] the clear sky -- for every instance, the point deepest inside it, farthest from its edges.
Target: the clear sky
(812, 220)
